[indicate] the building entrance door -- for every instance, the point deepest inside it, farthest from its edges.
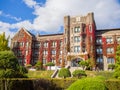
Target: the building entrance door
(75, 62)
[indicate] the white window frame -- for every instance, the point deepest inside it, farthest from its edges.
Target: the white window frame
(110, 60)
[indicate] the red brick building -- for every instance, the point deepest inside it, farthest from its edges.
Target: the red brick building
(80, 40)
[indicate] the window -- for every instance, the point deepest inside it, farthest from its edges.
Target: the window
(61, 43)
(76, 29)
(118, 39)
(45, 52)
(60, 60)
(76, 49)
(99, 41)
(45, 44)
(15, 44)
(26, 52)
(110, 60)
(44, 61)
(36, 52)
(91, 39)
(27, 43)
(24, 61)
(110, 50)
(53, 60)
(60, 52)
(19, 53)
(53, 52)
(83, 49)
(65, 40)
(77, 19)
(37, 44)
(90, 28)
(20, 60)
(21, 43)
(109, 40)
(53, 44)
(35, 59)
(99, 50)
(77, 39)
(99, 59)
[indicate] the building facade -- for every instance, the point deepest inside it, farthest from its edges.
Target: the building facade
(79, 41)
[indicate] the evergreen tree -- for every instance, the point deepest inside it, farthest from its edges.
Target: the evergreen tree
(4, 42)
(117, 65)
(64, 72)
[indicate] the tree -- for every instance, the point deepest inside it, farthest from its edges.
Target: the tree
(90, 63)
(50, 64)
(64, 72)
(9, 67)
(38, 65)
(79, 73)
(4, 42)
(22, 70)
(117, 65)
(84, 64)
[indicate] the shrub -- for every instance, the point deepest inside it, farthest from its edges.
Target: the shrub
(38, 65)
(83, 64)
(117, 72)
(50, 64)
(113, 84)
(64, 72)
(79, 73)
(88, 84)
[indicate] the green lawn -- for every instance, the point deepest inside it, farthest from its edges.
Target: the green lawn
(48, 73)
(40, 74)
(106, 74)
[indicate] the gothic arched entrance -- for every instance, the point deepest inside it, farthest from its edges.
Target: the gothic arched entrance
(75, 62)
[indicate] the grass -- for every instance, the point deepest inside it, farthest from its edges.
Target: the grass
(40, 74)
(48, 73)
(106, 74)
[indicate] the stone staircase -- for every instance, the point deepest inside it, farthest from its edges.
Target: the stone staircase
(55, 74)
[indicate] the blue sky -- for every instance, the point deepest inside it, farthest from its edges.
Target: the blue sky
(46, 16)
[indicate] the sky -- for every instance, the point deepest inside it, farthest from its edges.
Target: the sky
(46, 16)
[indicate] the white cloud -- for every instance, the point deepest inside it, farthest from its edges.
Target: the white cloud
(49, 17)
(30, 3)
(9, 16)
(26, 24)
(12, 17)
(6, 27)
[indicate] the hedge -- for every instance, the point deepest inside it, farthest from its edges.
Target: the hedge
(36, 84)
(49, 84)
(113, 84)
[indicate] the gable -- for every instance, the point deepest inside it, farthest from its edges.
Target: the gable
(22, 34)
